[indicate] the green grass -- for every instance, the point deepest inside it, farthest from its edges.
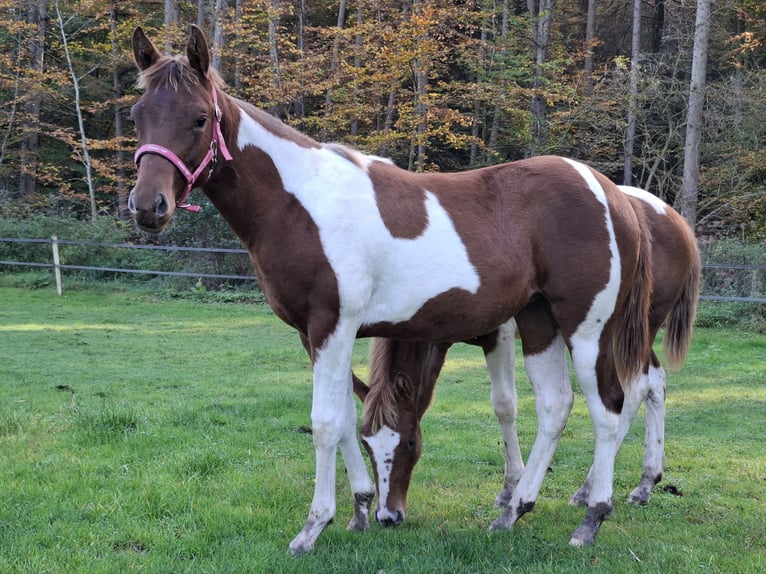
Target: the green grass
(148, 434)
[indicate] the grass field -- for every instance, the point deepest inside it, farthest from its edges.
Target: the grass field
(145, 434)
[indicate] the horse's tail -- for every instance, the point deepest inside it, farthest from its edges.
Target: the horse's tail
(678, 331)
(631, 345)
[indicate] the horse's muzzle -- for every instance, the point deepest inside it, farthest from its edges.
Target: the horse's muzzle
(386, 518)
(152, 215)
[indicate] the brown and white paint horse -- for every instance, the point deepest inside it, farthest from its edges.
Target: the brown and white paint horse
(403, 376)
(347, 245)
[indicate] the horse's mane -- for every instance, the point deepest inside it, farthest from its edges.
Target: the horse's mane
(174, 72)
(380, 404)
(402, 373)
(358, 158)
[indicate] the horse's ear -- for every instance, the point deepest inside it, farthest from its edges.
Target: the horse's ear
(404, 386)
(144, 51)
(197, 51)
(360, 389)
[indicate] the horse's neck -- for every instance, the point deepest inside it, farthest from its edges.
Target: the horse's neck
(248, 190)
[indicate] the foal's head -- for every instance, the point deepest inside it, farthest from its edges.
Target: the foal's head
(402, 378)
(176, 119)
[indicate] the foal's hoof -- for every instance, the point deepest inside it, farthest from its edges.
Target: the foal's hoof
(639, 498)
(579, 498)
(575, 541)
(361, 519)
(504, 499)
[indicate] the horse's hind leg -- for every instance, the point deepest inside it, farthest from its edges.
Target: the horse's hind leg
(501, 361)
(547, 370)
(650, 388)
(654, 441)
(591, 366)
(638, 391)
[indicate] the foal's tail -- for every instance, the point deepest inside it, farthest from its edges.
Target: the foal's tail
(678, 331)
(631, 345)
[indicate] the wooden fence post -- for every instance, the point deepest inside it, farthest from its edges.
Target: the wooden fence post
(56, 262)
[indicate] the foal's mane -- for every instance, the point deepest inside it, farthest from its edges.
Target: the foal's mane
(380, 405)
(176, 73)
(402, 376)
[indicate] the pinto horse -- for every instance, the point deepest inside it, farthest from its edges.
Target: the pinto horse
(403, 376)
(347, 245)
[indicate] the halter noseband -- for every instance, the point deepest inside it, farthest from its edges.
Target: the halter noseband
(216, 142)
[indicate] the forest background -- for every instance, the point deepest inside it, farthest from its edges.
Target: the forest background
(433, 84)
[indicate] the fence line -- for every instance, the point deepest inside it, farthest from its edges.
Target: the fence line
(58, 266)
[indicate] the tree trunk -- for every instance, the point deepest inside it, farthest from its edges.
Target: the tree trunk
(541, 25)
(78, 109)
(37, 16)
(630, 135)
(358, 40)
(494, 131)
(328, 103)
(172, 15)
(117, 94)
(694, 115)
(590, 40)
(219, 15)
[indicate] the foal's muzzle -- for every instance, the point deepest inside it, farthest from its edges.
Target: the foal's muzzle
(387, 518)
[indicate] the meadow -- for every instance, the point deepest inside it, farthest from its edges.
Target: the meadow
(143, 433)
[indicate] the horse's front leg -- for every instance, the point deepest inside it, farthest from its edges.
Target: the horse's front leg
(333, 419)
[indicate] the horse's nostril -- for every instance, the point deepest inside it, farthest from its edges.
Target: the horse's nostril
(160, 205)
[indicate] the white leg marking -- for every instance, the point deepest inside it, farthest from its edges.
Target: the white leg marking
(639, 390)
(585, 344)
(333, 423)
(654, 440)
(501, 365)
(553, 401)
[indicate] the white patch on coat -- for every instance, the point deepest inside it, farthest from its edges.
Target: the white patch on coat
(655, 202)
(585, 349)
(603, 304)
(380, 277)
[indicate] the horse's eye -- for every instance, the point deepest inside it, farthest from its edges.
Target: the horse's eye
(200, 123)
(410, 445)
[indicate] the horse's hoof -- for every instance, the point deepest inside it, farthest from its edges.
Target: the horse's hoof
(579, 498)
(504, 522)
(575, 541)
(503, 499)
(640, 495)
(358, 524)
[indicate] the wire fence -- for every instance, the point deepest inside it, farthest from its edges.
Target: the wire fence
(742, 283)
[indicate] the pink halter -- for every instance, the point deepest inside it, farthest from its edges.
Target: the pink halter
(216, 142)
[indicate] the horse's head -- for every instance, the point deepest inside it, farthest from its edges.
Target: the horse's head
(402, 379)
(177, 123)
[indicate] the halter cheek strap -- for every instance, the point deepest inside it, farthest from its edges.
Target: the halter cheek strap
(217, 142)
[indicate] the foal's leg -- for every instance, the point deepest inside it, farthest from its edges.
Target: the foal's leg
(654, 441)
(333, 419)
(650, 388)
(633, 399)
(501, 364)
(548, 374)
